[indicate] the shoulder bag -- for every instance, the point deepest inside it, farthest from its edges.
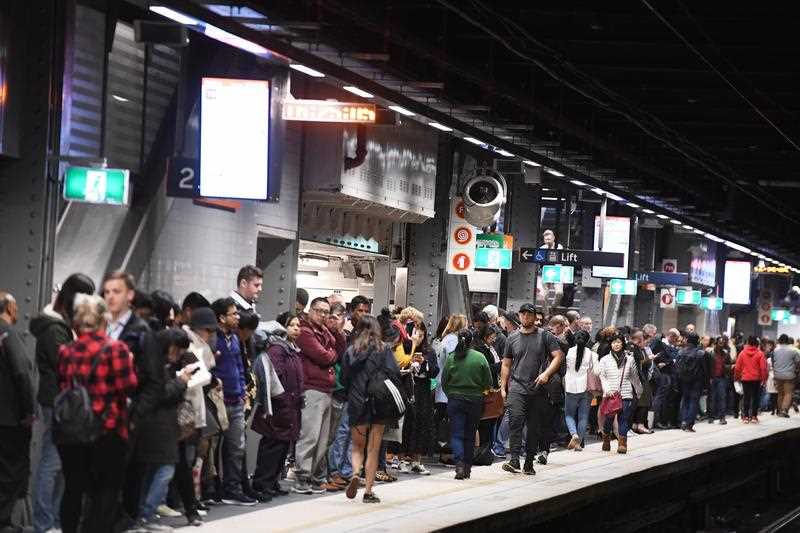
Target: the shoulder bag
(612, 405)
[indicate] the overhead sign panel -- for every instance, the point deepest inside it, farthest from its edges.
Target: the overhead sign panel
(623, 287)
(234, 138)
(663, 278)
(711, 303)
(96, 185)
(460, 241)
(328, 111)
(616, 238)
(736, 289)
(684, 297)
(570, 257)
(558, 274)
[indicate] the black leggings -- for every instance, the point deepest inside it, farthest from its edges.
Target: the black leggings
(750, 399)
(183, 480)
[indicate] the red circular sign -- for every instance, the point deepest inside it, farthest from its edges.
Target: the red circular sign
(460, 210)
(667, 298)
(461, 262)
(669, 267)
(462, 235)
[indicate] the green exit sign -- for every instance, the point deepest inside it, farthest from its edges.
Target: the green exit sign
(684, 297)
(780, 314)
(711, 303)
(493, 258)
(623, 287)
(96, 185)
(558, 274)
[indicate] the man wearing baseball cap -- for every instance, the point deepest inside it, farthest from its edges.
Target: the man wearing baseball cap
(531, 357)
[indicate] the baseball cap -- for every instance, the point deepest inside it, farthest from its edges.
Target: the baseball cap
(203, 318)
(527, 308)
(513, 317)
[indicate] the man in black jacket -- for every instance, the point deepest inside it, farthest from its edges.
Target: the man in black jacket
(52, 329)
(118, 290)
(16, 412)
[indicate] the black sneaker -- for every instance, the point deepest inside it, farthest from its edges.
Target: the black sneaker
(239, 499)
(542, 457)
(722, 421)
(528, 468)
(512, 465)
(369, 497)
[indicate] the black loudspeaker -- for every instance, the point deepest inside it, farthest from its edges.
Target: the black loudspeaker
(166, 33)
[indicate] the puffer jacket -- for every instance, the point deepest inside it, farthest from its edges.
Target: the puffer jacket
(318, 350)
(51, 332)
(356, 374)
(750, 365)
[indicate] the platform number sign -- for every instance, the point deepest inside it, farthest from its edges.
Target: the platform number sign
(461, 241)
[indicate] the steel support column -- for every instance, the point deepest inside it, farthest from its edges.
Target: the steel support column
(278, 259)
(524, 215)
(28, 184)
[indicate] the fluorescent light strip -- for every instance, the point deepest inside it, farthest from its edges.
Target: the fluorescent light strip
(531, 163)
(633, 205)
(473, 140)
(503, 152)
(675, 221)
(438, 126)
(402, 110)
(358, 92)
(739, 247)
(699, 232)
(578, 183)
(234, 40)
(687, 226)
(554, 172)
(551, 198)
(648, 211)
(598, 191)
(662, 217)
(714, 238)
(171, 14)
(306, 70)
(614, 197)
(119, 98)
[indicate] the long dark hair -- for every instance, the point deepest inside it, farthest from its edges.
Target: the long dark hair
(581, 340)
(171, 337)
(464, 342)
(621, 338)
(367, 335)
(387, 326)
(65, 299)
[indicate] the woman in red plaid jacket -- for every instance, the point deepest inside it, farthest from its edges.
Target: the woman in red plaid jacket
(95, 471)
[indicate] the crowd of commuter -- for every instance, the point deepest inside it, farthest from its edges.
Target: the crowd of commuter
(145, 403)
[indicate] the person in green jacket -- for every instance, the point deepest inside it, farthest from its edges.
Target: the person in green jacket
(467, 377)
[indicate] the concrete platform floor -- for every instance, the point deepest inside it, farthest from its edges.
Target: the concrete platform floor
(432, 502)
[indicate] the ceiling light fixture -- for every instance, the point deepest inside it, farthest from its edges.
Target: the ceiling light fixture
(531, 163)
(687, 226)
(358, 92)
(578, 183)
(503, 152)
(473, 140)
(739, 247)
(633, 205)
(119, 98)
(438, 126)
(234, 40)
(662, 217)
(171, 14)
(555, 172)
(598, 191)
(648, 211)
(714, 238)
(306, 70)
(675, 221)
(402, 110)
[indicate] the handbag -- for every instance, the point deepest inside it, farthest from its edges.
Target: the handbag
(612, 405)
(492, 405)
(593, 383)
(185, 419)
(219, 403)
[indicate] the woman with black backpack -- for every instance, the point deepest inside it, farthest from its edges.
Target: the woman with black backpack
(368, 363)
(466, 378)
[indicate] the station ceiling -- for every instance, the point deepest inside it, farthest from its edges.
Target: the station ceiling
(688, 106)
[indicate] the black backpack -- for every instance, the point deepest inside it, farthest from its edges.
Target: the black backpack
(690, 366)
(74, 421)
(387, 398)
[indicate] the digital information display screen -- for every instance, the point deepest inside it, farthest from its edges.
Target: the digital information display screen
(616, 238)
(327, 111)
(737, 282)
(234, 138)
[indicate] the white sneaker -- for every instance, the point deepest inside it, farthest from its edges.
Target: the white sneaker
(202, 512)
(419, 468)
(404, 467)
(165, 511)
(396, 464)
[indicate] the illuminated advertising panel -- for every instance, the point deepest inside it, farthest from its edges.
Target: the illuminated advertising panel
(616, 238)
(737, 282)
(234, 138)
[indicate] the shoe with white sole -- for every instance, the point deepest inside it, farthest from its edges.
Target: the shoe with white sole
(165, 511)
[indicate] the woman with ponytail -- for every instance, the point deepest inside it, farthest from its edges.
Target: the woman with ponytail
(466, 378)
(576, 405)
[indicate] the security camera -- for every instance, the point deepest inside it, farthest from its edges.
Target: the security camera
(484, 195)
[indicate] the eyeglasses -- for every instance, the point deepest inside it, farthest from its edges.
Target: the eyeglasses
(320, 310)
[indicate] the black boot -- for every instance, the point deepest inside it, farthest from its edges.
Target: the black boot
(467, 471)
(460, 471)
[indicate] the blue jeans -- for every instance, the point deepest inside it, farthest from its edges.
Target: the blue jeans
(719, 397)
(233, 449)
(500, 443)
(690, 402)
(155, 489)
(464, 415)
(339, 453)
(49, 483)
(576, 412)
(623, 419)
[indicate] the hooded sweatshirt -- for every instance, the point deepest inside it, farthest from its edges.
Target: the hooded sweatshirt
(51, 332)
(751, 365)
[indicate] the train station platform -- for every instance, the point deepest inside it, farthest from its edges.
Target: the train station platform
(666, 474)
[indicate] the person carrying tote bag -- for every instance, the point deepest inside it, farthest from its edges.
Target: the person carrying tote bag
(621, 384)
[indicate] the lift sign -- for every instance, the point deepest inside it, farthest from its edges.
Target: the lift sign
(324, 111)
